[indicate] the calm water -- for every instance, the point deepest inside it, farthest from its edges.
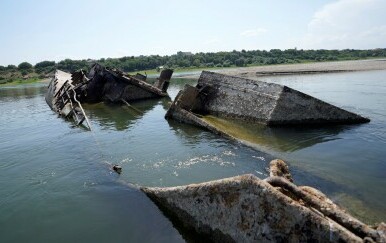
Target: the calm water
(56, 182)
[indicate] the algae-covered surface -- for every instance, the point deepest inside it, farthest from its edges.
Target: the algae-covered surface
(57, 185)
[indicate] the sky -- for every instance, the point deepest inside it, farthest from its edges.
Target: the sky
(38, 30)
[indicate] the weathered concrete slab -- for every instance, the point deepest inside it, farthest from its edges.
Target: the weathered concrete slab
(248, 209)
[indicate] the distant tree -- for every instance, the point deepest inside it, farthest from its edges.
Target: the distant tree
(11, 67)
(69, 65)
(45, 64)
(24, 66)
(2, 68)
(196, 62)
(45, 67)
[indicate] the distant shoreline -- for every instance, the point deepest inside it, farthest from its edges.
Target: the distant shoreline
(254, 72)
(302, 68)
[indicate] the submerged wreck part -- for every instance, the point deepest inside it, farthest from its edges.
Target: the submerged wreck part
(256, 101)
(248, 209)
(113, 85)
(278, 167)
(117, 168)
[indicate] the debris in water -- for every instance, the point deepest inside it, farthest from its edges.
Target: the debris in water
(117, 168)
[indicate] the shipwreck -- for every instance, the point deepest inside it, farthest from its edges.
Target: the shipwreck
(66, 92)
(255, 102)
(248, 209)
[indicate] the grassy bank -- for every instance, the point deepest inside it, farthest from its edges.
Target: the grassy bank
(4, 83)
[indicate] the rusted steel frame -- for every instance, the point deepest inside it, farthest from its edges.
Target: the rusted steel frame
(140, 83)
(337, 215)
(84, 113)
(131, 107)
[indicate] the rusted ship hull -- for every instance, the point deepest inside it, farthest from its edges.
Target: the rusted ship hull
(67, 91)
(62, 98)
(256, 101)
(114, 86)
(247, 209)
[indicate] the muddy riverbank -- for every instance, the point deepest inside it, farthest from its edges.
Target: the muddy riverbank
(303, 68)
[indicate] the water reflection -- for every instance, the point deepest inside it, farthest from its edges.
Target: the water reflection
(121, 117)
(14, 93)
(187, 133)
(282, 139)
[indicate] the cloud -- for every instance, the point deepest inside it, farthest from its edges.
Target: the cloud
(347, 24)
(253, 32)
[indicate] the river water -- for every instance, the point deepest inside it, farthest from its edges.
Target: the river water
(57, 185)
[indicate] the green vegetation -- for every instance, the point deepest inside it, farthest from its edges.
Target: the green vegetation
(187, 61)
(20, 81)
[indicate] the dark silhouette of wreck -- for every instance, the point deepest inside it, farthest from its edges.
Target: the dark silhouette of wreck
(67, 91)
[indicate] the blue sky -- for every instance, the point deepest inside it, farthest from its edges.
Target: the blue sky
(37, 30)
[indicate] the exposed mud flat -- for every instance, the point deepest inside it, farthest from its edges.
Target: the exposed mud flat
(303, 68)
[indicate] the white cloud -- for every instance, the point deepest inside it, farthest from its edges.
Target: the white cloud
(253, 32)
(347, 24)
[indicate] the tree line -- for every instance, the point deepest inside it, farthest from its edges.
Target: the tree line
(199, 60)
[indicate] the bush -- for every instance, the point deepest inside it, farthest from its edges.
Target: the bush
(24, 66)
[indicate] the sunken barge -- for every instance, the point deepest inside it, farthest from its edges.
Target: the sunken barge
(66, 92)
